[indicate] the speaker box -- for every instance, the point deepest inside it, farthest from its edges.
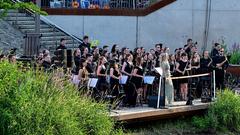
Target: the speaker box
(69, 58)
(152, 101)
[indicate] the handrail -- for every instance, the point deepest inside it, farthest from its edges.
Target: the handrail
(47, 21)
(51, 24)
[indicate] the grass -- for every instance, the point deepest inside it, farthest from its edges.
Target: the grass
(37, 103)
(180, 126)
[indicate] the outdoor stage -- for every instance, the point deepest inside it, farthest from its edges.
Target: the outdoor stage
(145, 113)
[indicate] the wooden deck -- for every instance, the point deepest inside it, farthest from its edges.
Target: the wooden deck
(148, 113)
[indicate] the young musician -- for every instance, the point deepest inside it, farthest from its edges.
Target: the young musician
(181, 68)
(205, 63)
(127, 69)
(77, 59)
(102, 74)
(220, 63)
(115, 76)
(137, 76)
(85, 52)
(83, 73)
(128, 65)
(46, 61)
(168, 82)
(114, 51)
(195, 63)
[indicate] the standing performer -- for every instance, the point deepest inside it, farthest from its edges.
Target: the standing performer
(102, 74)
(168, 82)
(129, 88)
(115, 75)
(221, 63)
(181, 68)
(137, 77)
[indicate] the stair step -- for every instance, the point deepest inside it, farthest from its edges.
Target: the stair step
(57, 42)
(42, 30)
(14, 14)
(29, 18)
(12, 11)
(53, 38)
(52, 34)
(31, 26)
(53, 47)
(22, 22)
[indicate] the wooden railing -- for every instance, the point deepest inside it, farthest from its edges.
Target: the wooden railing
(110, 11)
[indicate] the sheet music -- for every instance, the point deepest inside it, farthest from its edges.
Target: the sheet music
(92, 82)
(123, 79)
(148, 79)
(159, 70)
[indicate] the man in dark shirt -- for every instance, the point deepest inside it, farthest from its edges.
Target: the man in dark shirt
(215, 50)
(62, 44)
(90, 67)
(158, 48)
(220, 63)
(188, 47)
(85, 43)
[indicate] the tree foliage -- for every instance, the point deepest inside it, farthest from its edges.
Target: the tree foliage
(6, 5)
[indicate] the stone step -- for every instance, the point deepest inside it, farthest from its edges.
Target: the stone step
(14, 14)
(52, 48)
(52, 34)
(22, 22)
(42, 30)
(53, 38)
(31, 26)
(12, 11)
(29, 18)
(47, 43)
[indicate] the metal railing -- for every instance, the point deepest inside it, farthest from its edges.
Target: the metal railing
(98, 4)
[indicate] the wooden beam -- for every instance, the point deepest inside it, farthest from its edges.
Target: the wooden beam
(160, 113)
(108, 12)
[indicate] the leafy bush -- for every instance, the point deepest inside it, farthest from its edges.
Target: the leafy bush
(33, 103)
(224, 113)
(235, 57)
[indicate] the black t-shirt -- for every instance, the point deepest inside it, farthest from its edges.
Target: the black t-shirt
(89, 68)
(214, 52)
(61, 47)
(77, 60)
(84, 45)
(204, 65)
(188, 51)
(220, 59)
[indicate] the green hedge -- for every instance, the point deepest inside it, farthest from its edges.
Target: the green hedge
(36, 103)
(223, 114)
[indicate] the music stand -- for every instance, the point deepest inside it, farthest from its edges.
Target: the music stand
(92, 82)
(148, 79)
(160, 72)
(123, 79)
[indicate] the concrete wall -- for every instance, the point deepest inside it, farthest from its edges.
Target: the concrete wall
(10, 38)
(171, 25)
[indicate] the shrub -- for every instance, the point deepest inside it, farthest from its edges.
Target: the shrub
(224, 113)
(33, 103)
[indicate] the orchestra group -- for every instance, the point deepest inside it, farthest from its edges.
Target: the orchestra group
(108, 65)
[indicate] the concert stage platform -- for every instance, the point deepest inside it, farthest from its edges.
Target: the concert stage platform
(146, 113)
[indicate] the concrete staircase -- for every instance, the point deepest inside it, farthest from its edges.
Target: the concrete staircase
(51, 34)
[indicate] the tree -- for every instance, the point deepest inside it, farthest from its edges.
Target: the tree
(6, 5)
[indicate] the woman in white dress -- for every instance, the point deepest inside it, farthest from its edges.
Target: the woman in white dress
(168, 82)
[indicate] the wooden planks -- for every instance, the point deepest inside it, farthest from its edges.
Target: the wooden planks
(145, 113)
